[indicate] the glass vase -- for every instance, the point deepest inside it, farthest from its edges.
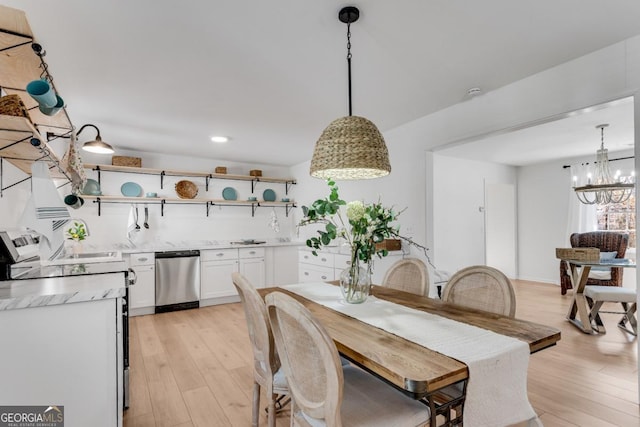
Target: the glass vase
(355, 283)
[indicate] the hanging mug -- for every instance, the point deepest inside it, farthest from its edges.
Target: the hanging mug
(73, 201)
(41, 91)
(52, 111)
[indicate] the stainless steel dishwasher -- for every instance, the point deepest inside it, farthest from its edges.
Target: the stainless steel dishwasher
(177, 280)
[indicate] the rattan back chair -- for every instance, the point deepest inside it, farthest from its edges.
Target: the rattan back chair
(483, 288)
(322, 391)
(409, 275)
(267, 370)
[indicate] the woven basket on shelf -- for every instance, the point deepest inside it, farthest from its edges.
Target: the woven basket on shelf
(578, 254)
(255, 172)
(135, 162)
(12, 105)
(221, 169)
(186, 189)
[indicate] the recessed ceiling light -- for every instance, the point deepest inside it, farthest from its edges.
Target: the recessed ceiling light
(474, 91)
(220, 139)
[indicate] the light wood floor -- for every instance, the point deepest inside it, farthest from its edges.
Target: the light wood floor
(194, 368)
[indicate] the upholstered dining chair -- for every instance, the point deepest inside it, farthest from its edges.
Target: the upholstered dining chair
(322, 391)
(483, 288)
(267, 371)
(606, 241)
(410, 275)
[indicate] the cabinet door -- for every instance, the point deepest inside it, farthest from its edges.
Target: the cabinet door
(313, 273)
(215, 278)
(253, 270)
(143, 293)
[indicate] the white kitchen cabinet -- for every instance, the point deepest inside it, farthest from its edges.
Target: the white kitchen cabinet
(252, 266)
(216, 267)
(327, 266)
(142, 295)
(312, 268)
(66, 354)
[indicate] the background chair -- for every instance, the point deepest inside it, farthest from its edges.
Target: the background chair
(483, 288)
(267, 371)
(409, 275)
(323, 392)
(606, 241)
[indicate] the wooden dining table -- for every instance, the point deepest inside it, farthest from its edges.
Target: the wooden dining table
(412, 368)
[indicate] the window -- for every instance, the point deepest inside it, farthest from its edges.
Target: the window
(619, 217)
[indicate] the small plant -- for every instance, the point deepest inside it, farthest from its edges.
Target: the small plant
(78, 232)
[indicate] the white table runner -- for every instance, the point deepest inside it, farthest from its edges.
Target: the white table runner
(497, 386)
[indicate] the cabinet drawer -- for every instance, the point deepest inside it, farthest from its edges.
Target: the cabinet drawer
(143, 258)
(342, 261)
(218, 254)
(309, 273)
(323, 259)
(251, 253)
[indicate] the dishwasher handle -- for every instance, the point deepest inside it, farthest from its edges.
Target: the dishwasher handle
(177, 254)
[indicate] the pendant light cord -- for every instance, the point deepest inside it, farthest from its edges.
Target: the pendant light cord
(349, 62)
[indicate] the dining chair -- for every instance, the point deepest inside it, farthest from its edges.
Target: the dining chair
(322, 391)
(409, 275)
(267, 370)
(483, 288)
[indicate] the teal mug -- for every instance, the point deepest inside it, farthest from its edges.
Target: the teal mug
(52, 111)
(41, 91)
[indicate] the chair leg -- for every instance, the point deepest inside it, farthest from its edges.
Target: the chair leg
(255, 411)
(629, 316)
(594, 316)
(271, 410)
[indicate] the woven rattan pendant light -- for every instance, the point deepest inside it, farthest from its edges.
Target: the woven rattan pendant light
(350, 147)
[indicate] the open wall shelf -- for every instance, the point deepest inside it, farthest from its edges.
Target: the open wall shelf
(21, 141)
(208, 203)
(288, 182)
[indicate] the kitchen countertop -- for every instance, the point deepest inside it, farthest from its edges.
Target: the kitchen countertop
(160, 246)
(64, 285)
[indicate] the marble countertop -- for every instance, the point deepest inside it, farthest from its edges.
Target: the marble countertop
(161, 246)
(103, 281)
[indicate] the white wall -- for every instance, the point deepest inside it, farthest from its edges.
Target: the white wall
(458, 209)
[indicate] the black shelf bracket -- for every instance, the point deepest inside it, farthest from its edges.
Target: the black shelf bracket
(254, 206)
(206, 187)
(208, 206)
(288, 208)
(99, 205)
(288, 185)
(97, 169)
(162, 203)
(162, 174)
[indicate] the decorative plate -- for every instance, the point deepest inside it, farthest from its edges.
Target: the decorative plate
(131, 189)
(269, 195)
(186, 189)
(92, 188)
(229, 194)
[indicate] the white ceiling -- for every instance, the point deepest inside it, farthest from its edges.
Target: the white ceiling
(570, 135)
(163, 76)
